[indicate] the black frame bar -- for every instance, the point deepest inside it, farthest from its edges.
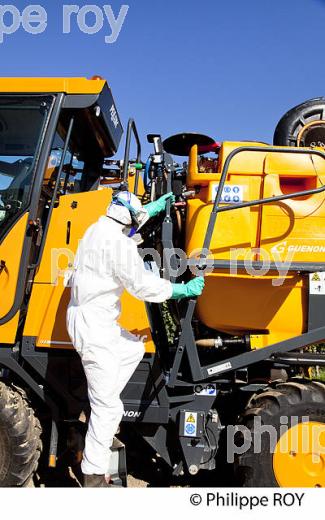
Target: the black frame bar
(240, 265)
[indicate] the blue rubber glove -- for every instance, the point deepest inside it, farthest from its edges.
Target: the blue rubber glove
(158, 206)
(193, 288)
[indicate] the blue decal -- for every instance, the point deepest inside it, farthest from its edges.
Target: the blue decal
(190, 429)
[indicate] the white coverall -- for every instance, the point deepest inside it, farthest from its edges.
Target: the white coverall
(107, 262)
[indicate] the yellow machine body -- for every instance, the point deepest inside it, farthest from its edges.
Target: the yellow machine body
(269, 306)
(46, 318)
(48, 85)
(10, 253)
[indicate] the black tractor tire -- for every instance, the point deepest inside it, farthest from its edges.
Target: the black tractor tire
(297, 398)
(20, 444)
(297, 120)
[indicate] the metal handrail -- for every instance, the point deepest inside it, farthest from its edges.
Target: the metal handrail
(272, 149)
(54, 195)
(131, 128)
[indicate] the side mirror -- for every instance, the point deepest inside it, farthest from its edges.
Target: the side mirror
(156, 140)
(113, 170)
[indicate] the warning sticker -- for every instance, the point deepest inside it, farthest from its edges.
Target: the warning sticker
(231, 194)
(190, 424)
(317, 283)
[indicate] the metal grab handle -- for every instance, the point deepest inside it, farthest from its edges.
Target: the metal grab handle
(54, 195)
(131, 129)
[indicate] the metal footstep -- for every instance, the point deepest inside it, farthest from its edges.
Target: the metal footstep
(117, 469)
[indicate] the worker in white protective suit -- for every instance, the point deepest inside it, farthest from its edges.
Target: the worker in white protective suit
(107, 262)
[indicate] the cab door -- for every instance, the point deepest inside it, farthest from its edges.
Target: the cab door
(23, 123)
(80, 203)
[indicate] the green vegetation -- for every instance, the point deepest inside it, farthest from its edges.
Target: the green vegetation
(317, 372)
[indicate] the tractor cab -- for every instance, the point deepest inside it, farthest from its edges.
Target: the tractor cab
(55, 135)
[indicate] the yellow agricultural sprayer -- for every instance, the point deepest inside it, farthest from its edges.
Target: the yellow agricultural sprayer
(230, 366)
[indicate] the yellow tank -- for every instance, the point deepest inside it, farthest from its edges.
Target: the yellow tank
(269, 305)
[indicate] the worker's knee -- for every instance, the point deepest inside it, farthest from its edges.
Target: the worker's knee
(120, 409)
(106, 405)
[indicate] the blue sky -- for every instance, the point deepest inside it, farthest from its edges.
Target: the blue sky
(229, 69)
